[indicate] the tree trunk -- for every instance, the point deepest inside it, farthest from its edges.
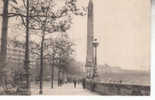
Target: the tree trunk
(58, 76)
(26, 67)
(52, 72)
(42, 54)
(41, 64)
(59, 71)
(3, 52)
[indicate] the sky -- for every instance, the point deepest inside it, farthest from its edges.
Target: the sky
(153, 18)
(122, 28)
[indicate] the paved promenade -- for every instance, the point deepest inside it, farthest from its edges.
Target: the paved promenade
(66, 89)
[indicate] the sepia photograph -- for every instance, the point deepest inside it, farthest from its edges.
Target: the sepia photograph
(76, 47)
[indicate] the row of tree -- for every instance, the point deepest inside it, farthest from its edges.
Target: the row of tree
(41, 18)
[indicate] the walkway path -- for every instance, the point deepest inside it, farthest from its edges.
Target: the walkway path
(67, 89)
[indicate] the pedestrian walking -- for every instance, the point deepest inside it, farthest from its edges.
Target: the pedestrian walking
(74, 81)
(83, 83)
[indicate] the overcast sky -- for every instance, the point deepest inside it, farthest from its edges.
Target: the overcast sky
(122, 28)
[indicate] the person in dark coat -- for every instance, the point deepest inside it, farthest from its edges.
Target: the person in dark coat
(74, 81)
(84, 83)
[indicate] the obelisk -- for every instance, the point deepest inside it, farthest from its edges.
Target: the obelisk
(90, 36)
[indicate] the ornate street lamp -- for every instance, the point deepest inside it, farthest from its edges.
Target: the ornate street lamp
(95, 45)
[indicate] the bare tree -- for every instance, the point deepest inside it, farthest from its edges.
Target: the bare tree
(3, 52)
(48, 21)
(42, 16)
(4, 36)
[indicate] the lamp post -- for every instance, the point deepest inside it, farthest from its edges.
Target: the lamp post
(95, 45)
